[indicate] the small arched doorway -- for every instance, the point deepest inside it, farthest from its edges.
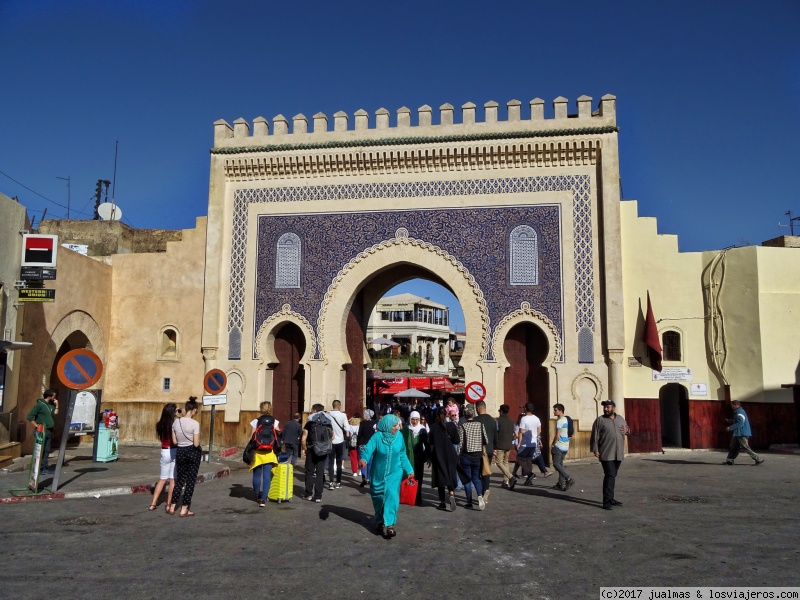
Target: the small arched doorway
(526, 379)
(674, 403)
(288, 376)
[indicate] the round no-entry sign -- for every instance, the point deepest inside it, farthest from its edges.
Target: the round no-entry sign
(79, 369)
(215, 381)
(475, 392)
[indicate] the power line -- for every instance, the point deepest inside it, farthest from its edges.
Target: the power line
(37, 193)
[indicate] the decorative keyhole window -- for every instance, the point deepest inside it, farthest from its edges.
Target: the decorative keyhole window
(287, 268)
(524, 253)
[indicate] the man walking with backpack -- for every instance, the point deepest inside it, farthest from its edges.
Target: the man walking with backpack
(340, 435)
(560, 449)
(316, 443)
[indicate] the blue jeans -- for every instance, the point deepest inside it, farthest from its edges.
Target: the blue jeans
(293, 452)
(472, 469)
(459, 485)
(262, 477)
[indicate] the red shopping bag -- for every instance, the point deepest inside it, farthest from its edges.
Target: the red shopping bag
(408, 491)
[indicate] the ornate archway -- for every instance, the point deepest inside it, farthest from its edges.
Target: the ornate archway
(401, 249)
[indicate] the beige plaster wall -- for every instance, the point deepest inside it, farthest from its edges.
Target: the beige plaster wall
(651, 262)
(83, 303)
(758, 300)
(779, 315)
(12, 220)
(150, 292)
(739, 309)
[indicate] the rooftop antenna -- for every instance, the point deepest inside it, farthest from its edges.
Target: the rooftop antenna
(114, 179)
(67, 179)
(791, 222)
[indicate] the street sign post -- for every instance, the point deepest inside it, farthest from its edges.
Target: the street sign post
(214, 382)
(79, 369)
(475, 392)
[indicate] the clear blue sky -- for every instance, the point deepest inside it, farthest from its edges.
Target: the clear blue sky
(707, 92)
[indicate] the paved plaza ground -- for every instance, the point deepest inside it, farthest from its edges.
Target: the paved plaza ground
(687, 520)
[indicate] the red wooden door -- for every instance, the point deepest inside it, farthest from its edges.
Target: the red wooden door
(288, 377)
(526, 380)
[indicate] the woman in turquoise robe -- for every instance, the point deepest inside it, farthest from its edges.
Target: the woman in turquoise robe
(389, 461)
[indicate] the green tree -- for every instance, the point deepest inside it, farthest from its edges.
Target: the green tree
(413, 362)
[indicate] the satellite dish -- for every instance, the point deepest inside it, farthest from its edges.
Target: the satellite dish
(109, 211)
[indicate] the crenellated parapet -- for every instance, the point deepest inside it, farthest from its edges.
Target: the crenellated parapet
(380, 129)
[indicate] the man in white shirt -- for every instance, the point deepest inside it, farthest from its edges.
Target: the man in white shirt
(530, 428)
(340, 433)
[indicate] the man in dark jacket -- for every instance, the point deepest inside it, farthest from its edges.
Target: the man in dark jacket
(292, 432)
(490, 425)
(504, 442)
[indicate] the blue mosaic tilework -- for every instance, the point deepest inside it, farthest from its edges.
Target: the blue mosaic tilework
(478, 237)
(578, 185)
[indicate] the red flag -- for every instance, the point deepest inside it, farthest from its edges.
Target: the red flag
(651, 338)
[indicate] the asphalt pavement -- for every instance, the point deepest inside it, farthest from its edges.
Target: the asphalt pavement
(686, 520)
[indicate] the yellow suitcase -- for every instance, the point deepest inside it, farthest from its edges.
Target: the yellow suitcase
(281, 489)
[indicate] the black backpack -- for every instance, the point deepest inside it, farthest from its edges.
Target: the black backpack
(266, 436)
(570, 426)
(320, 434)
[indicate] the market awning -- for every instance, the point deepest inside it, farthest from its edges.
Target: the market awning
(391, 386)
(411, 393)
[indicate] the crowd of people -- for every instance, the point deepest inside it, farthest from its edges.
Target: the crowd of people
(459, 444)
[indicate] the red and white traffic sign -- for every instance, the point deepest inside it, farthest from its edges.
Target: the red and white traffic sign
(475, 392)
(79, 369)
(215, 381)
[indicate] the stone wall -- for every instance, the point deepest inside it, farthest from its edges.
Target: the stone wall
(105, 238)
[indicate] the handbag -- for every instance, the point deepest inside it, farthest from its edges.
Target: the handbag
(486, 464)
(408, 491)
(249, 452)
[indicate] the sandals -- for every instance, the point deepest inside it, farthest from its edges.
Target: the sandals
(152, 507)
(188, 513)
(171, 509)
